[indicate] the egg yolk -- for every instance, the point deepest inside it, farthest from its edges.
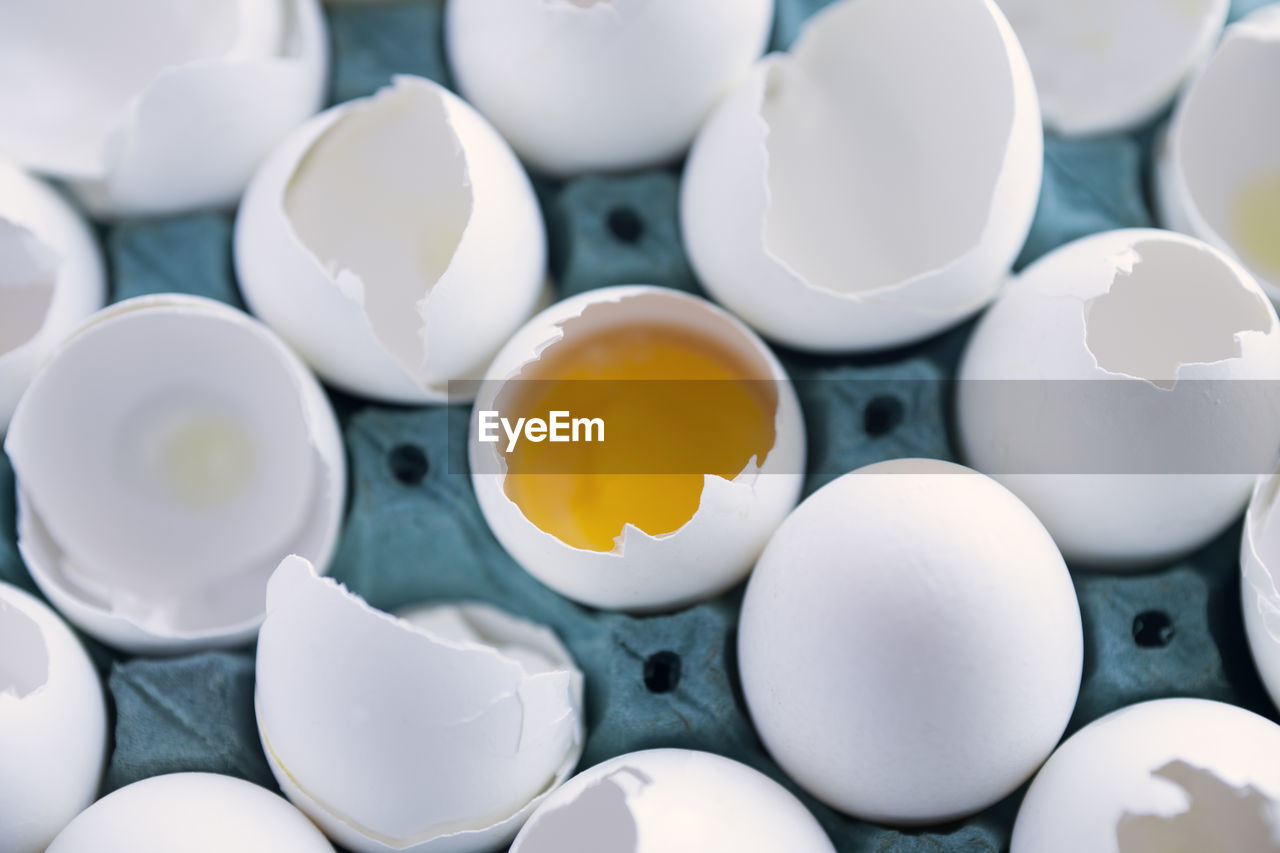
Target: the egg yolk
(675, 406)
(1257, 223)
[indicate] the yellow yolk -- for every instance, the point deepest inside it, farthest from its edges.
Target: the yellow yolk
(663, 432)
(1257, 223)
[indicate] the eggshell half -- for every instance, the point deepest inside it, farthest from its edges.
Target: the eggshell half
(1259, 590)
(420, 735)
(157, 494)
(873, 186)
(53, 724)
(910, 643)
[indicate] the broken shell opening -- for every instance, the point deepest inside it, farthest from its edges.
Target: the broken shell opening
(598, 819)
(877, 173)
(480, 626)
(1218, 816)
(24, 668)
(1171, 303)
(28, 274)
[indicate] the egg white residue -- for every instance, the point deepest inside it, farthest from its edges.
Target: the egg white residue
(1105, 388)
(910, 644)
(395, 242)
(148, 107)
(1167, 775)
(440, 731)
(194, 813)
(872, 186)
(157, 495)
(672, 801)
(604, 85)
(53, 724)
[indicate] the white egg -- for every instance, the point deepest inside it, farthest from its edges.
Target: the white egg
(51, 278)
(1218, 168)
(672, 801)
(1260, 583)
(596, 85)
(1104, 66)
(1102, 389)
(439, 732)
(910, 643)
(53, 724)
(168, 456)
(1168, 775)
(149, 107)
(192, 813)
(698, 555)
(393, 241)
(873, 186)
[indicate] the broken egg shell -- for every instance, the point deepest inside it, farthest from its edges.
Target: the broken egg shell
(415, 185)
(1224, 142)
(1200, 317)
(111, 498)
(420, 735)
(910, 644)
(603, 85)
(194, 813)
(1154, 761)
(53, 724)
(183, 133)
(670, 801)
(873, 186)
(712, 551)
(1106, 67)
(44, 246)
(1260, 594)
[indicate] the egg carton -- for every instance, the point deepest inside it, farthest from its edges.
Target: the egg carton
(413, 531)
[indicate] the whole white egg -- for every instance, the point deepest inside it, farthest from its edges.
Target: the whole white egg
(1260, 581)
(910, 644)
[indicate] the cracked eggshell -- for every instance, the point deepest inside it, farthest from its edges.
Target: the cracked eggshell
(874, 185)
(672, 801)
(910, 643)
(711, 552)
(437, 733)
(150, 108)
(1218, 166)
(1260, 593)
(53, 724)
(1159, 459)
(1103, 66)
(157, 494)
(193, 813)
(1173, 774)
(597, 85)
(394, 241)
(51, 277)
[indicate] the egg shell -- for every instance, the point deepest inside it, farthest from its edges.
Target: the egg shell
(1260, 594)
(376, 182)
(194, 813)
(598, 85)
(1157, 776)
(717, 546)
(53, 724)
(1105, 67)
(1141, 469)
(51, 278)
(391, 736)
(101, 524)
(168, 123)
(873, 186)
(910, 644)
(672, 801)
(1223, 139)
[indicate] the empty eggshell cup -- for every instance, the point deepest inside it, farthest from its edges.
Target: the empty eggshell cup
(626, 526)
(874, 185)
(662, 800)
(1106, 67)
(167, 457)
(1259, 585)
(440, 731)
(395, 242)
(53, 724)
(592, 85)
(149, 108)
(1111, 388)
(51, 278)
(1218, 169)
